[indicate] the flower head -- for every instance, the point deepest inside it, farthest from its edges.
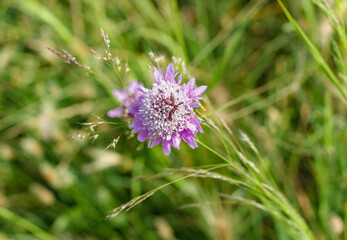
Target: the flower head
(127, 96)
(165, 113)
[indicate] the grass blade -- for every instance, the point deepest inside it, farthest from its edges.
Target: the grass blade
(38, 232)
(314, 51)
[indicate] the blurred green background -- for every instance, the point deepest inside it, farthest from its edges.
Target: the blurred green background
(259, 75)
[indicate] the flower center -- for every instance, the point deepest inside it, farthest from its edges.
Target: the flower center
(164, 110)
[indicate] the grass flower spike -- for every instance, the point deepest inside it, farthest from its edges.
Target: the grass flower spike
(165, 113)
(127, 96)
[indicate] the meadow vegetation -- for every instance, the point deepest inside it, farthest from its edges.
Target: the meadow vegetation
(272, 163)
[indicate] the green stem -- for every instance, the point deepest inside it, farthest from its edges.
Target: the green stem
(12, 217)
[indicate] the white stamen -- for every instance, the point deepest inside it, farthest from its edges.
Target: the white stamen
(165, 109)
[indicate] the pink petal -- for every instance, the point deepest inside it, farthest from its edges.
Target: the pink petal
(134, 108)
(188, 137)
(191, 84)
(149, 142)
(200, 129)
(196, 98)
(132, 87)
(135, 130)
(120, 95)
(137, 124)
(158, 76)
(179, 80)
(170, 73)
(176, 140)
(195, 105)
(142, 136)
(191, 142)
(139, 90)
(116, 112)
(166, 147)
(184, 88)
(198, 91)
(192, 127)
(156, 141)
(195, 122)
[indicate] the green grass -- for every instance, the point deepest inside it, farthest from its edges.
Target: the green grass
(272, 162)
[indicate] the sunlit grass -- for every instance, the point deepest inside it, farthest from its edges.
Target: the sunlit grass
(271, 164)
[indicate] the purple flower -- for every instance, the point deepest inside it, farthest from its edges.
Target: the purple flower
(127, 96)
(165, 113)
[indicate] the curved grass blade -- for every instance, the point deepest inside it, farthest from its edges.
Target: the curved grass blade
(314, 51)
(29, 226)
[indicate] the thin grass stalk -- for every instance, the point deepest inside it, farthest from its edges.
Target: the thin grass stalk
(272, 195)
